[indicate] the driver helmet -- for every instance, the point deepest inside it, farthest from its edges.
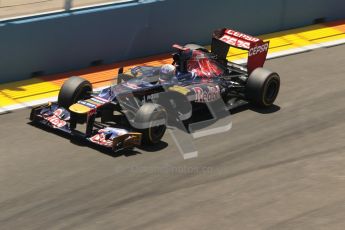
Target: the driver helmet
(167, 73)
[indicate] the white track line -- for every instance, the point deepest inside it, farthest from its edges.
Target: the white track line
(301, 49)
(28, 104)
(101, 4)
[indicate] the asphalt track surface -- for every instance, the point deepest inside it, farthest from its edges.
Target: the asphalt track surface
(282, 168)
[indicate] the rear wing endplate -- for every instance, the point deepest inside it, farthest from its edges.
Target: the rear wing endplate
(223, 39)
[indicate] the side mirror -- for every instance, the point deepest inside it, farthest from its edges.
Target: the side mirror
(120, 71)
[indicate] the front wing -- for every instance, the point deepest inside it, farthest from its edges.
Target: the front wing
(58, 118)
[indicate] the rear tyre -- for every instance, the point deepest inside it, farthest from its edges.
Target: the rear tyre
(151, 120)
(262, 87)
(72, 90)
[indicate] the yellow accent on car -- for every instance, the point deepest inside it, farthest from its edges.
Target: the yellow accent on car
(180, 89)
(79, 108)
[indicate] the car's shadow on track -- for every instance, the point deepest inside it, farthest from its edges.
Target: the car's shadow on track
(124, 152)
(271, 109)
(205, 115)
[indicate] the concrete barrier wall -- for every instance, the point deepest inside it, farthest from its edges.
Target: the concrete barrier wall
(72, 40)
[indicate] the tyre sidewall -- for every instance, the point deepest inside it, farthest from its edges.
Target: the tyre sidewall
(74, 89)
(259, 83)
(271, 79)
(147, 114)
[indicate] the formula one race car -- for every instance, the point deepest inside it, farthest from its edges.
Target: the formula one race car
(137, 109)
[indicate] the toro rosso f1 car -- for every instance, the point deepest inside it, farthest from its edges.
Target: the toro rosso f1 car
(137, 108)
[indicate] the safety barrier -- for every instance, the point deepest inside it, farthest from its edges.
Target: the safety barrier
(79, 38)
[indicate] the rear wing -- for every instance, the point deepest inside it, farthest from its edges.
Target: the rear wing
(223, 39)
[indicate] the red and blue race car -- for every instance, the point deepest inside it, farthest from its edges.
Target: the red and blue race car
(137, 109)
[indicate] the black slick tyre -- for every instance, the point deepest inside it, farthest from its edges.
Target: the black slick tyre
(151, 120)
(72, 90)
(262, 87)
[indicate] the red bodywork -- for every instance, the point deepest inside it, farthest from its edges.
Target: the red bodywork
(200, 63)
(223, 39)
(203, 66)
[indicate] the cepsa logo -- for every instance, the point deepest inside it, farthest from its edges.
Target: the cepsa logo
(234, 41)
(241, 35)
(258, 49)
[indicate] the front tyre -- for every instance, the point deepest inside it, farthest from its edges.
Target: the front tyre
(262, 87)
(151, 121)
(72, 90)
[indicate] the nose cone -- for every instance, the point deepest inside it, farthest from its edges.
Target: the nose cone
(80, 109)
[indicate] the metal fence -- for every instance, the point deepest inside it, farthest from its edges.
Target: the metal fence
(21, 8)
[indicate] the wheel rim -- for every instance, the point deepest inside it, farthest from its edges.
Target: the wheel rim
(82, 93)
(157, 132)
(271, 91)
